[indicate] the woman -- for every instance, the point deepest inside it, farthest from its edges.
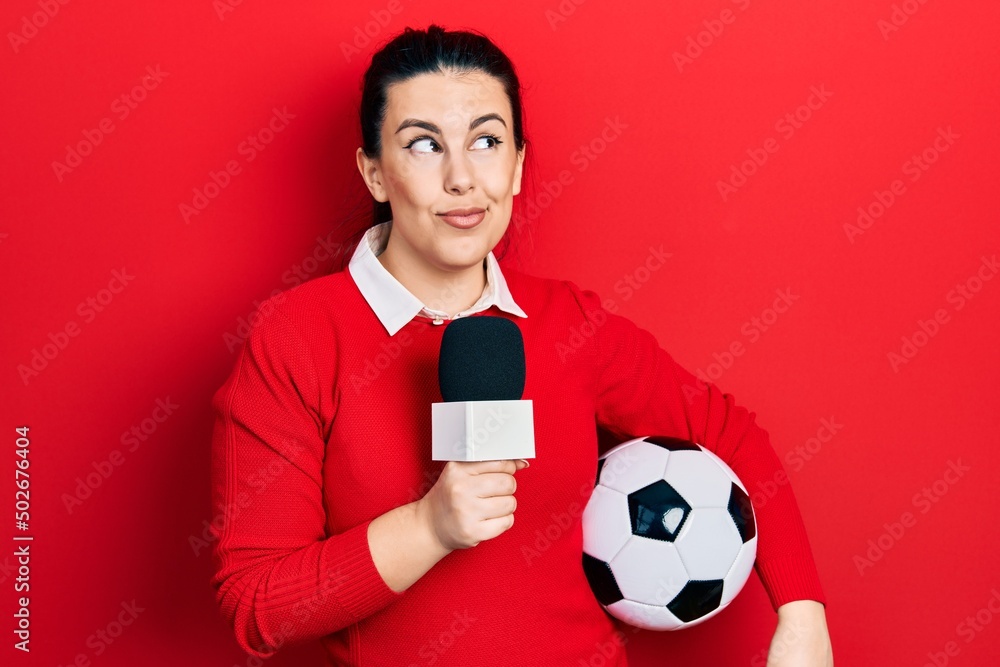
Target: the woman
(337, 525)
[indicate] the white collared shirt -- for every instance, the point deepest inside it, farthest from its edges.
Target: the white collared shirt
(395, 305)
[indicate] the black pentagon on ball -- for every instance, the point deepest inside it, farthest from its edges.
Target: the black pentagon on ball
(600, 465)
(602, 580)
(696, 599)
(671, 443)
(741, 510)
(657, 511)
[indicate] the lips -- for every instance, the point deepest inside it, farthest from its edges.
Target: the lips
(463, 218)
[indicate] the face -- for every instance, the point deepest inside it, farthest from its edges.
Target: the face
(447, 144)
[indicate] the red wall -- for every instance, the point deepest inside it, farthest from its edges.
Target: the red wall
(672, 101)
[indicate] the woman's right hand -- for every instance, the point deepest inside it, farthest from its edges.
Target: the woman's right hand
(471, 501)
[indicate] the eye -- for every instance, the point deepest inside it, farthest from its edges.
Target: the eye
(421, 141)
(490, 137)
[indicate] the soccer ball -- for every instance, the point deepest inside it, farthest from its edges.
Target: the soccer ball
(669, 536)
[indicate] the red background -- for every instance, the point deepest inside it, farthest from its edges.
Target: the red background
(682, 128)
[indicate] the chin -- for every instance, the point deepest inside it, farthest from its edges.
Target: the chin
(464, 260)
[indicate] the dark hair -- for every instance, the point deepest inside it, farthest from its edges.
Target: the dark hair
(414, 52)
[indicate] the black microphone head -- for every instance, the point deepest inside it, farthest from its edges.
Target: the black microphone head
(482, 359)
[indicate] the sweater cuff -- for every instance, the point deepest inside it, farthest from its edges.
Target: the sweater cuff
(358, 586)
(788, 580)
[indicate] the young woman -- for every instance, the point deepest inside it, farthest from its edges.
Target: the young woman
(333, 521)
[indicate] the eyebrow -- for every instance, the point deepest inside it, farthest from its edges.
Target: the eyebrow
(431, 127)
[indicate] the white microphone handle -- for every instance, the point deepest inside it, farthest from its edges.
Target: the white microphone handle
(482, 430)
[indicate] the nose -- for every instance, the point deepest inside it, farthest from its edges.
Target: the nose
(458, 173)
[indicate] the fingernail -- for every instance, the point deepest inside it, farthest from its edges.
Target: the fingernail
(526, 463)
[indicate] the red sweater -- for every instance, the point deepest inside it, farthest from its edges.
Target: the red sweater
(325, 424)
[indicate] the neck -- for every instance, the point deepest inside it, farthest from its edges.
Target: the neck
(447, 291)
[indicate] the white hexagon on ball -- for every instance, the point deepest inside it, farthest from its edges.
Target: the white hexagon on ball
(709, 543)
(626, 469)
(606, 524)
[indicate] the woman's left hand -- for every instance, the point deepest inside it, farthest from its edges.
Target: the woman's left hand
(801, 638)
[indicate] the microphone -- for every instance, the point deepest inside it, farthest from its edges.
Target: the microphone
(481, 374)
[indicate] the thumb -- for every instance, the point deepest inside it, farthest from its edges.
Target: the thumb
(521, 463)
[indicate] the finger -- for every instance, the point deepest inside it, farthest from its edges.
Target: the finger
(503, 465)
(499, 507)
(499, 484)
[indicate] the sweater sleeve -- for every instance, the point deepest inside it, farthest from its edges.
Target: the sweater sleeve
(278, 577)
(642, 391)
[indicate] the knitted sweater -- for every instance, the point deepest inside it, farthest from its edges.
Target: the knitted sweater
(325, 424)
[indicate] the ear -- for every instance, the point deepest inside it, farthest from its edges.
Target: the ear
(372, 174)
(519, 169)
